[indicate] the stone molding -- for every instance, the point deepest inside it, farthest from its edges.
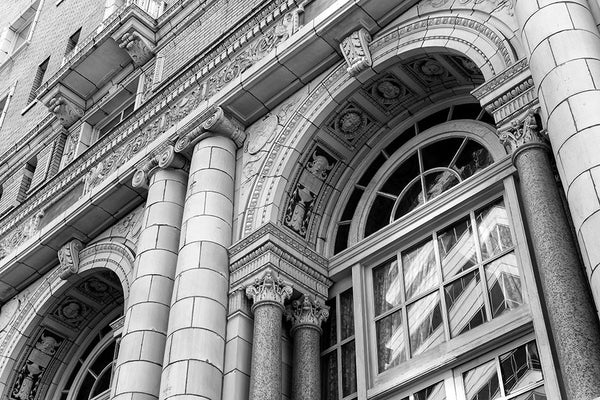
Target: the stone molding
(216, 124)
(66, 106)
(166, 159)
(139, 49)
(355, 49)
(68, 257)
(524, 132)
(269, 289)
(307, 313)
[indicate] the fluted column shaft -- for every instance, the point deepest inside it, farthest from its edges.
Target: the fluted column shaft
(306, 316)
(269, 295)
(572, 318)
(194, 355)
(139, 363)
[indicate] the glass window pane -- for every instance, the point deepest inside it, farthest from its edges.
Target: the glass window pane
(481, 383)
(464, 299)
(437, 183)
(504, 284)
(379, 216)
(411, 199)
(472, 159)
(457, 248)
(536, 394)
(390, 341)
(425, 323)
(402, 176)
(329, 336)
(520, 368)
(420, 273)
(494, 230)
(386, 286)
(329, 377)
(440, 153)
(346, 314)
(348, 369)
(434, 392)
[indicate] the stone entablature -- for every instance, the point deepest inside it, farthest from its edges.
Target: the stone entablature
(272, 247)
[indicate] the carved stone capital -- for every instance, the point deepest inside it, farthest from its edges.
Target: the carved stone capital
(68, 256)
(217, 124)
(307, 313)
(269, 289)
(355, 49)
(524, 132)
(66, 111)
(168, 158)
(138, 48)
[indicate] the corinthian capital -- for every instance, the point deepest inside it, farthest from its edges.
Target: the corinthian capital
(523, 131)
(268, 289)
(356, 51)
(307, 312)
(68, 256)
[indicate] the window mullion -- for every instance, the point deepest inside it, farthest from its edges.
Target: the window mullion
(404, 310)
(438, 261)
(483, 277)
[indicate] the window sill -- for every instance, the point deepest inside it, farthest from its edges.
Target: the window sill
(11, 58)
(28, 107)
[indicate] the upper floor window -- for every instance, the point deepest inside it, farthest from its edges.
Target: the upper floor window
(71, 45)
(19, 32)
(38, 79)
(4, 101)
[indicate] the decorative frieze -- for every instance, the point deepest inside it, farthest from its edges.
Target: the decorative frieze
(17, 237)
(269, 289)
(355, 49)
(498, 4)
(68, 257)
(307, 313)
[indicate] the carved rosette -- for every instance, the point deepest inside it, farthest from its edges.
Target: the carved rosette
(217, 124)
(269, 290)
(524, 132)
(355, 49)
(168, 158)
(68, 256)
(65, 110)
(307, 313)
(139, 49)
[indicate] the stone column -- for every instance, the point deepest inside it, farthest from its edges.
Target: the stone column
(306, 316)
(269, 294)
(194, 354)
(572, 319)
(564, 46)
(139, 363)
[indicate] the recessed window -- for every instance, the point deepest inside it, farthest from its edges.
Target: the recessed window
(38, 79)
(19, 32)
(4, 106)
(72, 45)
(116, 118)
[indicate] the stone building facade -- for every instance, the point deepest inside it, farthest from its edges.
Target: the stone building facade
(299, 199)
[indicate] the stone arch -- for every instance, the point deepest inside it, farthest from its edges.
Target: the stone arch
(32, 305)
(463, 34)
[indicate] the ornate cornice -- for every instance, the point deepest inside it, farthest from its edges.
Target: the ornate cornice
(355, 49)
(523, 133)
(307, 313)
(68, 257)
(501, 78)
(269, 290)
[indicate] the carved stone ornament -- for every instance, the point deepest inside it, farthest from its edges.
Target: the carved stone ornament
(138, 48)
(68, 256)
(355, 49)
(65, 110)
(217, 124)
(524, 131)
(166, 159)
(269, 289)
(307, 313)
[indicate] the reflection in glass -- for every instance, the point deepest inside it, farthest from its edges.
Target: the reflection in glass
(390, 341)
(438, 182)
(481, 383)
(348, 369)
(472, 159)
(457, 248)
(440, 153)
(410, 199)
(464, 299)
(537, 394)
(386, 286)
(329, 336)
(521, 367)
(494, 231)
(425, 323)
(419, 269)
(504, 284)
(346, 314)
(434, 392)
(329, 377)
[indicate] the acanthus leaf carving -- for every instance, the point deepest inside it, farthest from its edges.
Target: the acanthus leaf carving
(269, 289)
(68, 257)
(355, 49)
(523, 131)
(307, 312)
